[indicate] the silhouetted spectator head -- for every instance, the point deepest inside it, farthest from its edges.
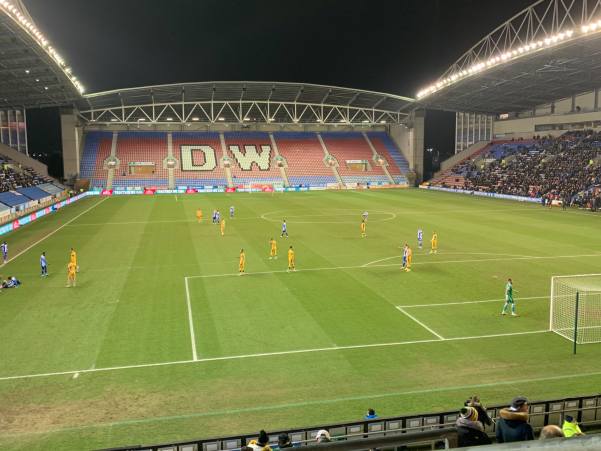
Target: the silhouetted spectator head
(550, 431)
(284, 441)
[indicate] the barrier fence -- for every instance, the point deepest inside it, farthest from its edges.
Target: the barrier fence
(413, 430)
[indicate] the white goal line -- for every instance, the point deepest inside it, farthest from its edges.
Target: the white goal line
(271, 354)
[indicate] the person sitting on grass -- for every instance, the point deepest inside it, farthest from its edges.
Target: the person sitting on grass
(11, 282)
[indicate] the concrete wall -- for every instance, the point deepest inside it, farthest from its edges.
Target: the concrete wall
(526, 127)
(403, 138)
(410, 140)
(452, 161)
(24, 160)
(70, 133)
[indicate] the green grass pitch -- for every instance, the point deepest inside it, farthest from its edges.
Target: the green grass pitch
(162, 340)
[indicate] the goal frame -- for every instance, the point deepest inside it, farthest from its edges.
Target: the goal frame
(552, 297)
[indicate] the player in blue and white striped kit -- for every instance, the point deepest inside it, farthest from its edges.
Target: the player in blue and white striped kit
(284, 229)
(420, 238)
(4, 248)
(232, 212)
(44, 264)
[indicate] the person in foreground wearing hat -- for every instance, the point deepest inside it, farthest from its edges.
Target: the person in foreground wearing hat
(483, 417)
(570, 427)
(470, 431)
(512, 426)
(262, 443)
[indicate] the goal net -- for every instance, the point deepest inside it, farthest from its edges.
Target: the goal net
(576, 307)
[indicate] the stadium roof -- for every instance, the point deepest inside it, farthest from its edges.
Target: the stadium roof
(549, 51)
(240, 101)
(32, 73)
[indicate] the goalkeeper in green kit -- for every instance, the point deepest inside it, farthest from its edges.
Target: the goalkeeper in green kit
(509, 299)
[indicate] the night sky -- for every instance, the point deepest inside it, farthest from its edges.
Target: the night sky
(389, 46)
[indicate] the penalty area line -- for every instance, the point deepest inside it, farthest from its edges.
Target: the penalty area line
(444, 304)
(190, 321)
(400, 309)
(271, 354)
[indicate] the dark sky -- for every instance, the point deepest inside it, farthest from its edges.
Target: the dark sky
(391, 46)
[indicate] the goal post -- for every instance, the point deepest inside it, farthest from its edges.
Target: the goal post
(575, 311)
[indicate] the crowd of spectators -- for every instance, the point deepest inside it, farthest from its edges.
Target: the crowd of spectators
(566, 169)
(13, 176)
(511, 426)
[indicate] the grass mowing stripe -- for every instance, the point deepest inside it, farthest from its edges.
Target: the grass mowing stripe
(270, 354)
(419, 322)
(335, 268)
(54, 231)
(316, 402)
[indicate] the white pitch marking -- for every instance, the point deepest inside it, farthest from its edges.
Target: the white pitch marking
(443, 304)
(272, 354)
(420, 323)
(433, 262)
(316, 402)
(190, 322)
(450, 253)
(55, 230)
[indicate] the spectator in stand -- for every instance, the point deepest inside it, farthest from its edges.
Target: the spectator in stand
(261, 444)
(483, 417)
(470, 431)
(371, 414)
(323, 436)
(570, 427)
(550, 431)
(565, 168)
(284, 441)
(512, 426)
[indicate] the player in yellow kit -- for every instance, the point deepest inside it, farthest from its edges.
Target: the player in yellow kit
(222, 227)
(273, 251)
(434, 243)
(409, 259)
(73, 259)
(291, 260)
(242, 263)
(71, 274)
(363, 234)
(199, 215)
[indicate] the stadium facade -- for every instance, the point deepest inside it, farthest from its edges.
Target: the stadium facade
(537, 73)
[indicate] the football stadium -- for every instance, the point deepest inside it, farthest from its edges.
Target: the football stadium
(255, 265)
